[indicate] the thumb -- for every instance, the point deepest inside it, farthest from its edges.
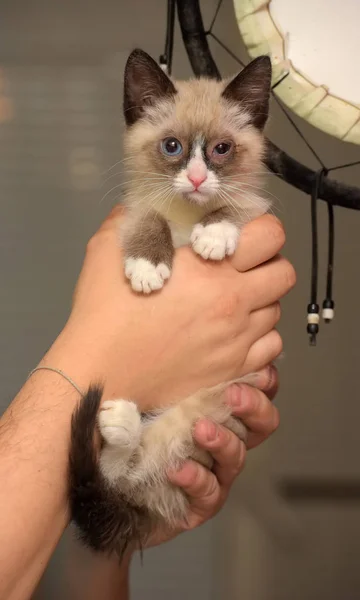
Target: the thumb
(114, 218)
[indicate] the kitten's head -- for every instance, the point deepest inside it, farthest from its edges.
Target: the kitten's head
(201, 139)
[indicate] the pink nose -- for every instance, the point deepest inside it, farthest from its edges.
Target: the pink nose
(197, 180)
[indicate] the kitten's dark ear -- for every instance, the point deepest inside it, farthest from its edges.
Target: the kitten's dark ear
(251, 89)
(144, 84)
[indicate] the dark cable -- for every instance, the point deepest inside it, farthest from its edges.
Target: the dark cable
(298, 131)
(331, 250)
(280, 80)
(226, 48)
(328, 304)
(351, 164)
(215, 16)
(166, 58)
(313, 307)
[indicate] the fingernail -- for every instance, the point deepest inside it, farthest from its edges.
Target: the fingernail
(212, 432)
(235, 395)
(270, 377)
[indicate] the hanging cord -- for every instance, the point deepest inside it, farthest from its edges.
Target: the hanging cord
(313, 317)
(166, 58)
(328, 306)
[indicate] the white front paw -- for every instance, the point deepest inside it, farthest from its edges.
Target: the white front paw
(120, 423)
(144, 276)
(216, 240)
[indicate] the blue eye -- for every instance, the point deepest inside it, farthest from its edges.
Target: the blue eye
(171, 147)
(222, 148)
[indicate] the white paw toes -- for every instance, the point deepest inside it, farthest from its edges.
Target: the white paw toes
(120, 423)
(215, 241)
(144, 276)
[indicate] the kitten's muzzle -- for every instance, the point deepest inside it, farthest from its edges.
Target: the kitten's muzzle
(196, 180)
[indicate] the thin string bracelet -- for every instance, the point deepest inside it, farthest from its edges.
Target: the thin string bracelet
(59, 372)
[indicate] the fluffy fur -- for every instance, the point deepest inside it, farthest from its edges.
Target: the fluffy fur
(194, 164)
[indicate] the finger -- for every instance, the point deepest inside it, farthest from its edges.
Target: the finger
(270, 282)
(263, 320)
(260, 240)
(114, 217)
(200, 485)
(267, 381)
(263, 352)
(107, 237)
(255, 410)
(225, 447)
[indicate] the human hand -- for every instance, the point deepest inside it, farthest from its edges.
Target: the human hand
(208, 490)
(211, 322)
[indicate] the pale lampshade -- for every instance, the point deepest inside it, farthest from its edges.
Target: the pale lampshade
(314, 46)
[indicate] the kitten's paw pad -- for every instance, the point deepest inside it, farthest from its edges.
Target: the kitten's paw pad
(120, 423)
(144, 276)
(215, 241)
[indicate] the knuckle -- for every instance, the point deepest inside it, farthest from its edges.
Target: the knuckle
(212, 488)
(98, 240)
(240, 459)
(278, 233)
(196, 478)
(277, 343)
(93, 243)
(275, 419)
(290, 275)
(277, 311)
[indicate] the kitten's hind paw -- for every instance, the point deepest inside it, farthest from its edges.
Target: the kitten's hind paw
(215, 241)
(120, 423)
(144, 276)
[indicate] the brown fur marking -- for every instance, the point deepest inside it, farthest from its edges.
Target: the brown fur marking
(222, 214)
(150, 238)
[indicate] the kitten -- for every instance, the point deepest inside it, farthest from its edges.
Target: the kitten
(194, 163)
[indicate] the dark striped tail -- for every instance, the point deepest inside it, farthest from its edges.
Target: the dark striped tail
(105, 520)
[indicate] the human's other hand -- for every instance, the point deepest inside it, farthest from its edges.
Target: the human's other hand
(208, 490)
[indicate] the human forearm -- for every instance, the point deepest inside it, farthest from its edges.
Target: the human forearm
(105, 578)
(34, 444)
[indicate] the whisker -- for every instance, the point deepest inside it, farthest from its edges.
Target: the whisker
(162, 175)
(164, 200)
(264, 173)
(141, 187)
(229, 201)
(258, 204)
(158, 190)
(138, 183)
(153, 202)
(117, 163)
(241, 189)
(151, 184)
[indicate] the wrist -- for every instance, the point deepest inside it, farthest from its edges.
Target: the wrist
(78, 355)
(91, 356)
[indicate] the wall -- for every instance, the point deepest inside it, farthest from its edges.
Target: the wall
(62, 65)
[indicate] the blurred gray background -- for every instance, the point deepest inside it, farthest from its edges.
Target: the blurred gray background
(61, 65)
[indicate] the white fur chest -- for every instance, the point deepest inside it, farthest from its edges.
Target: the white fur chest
(182, 216)
(180, 234)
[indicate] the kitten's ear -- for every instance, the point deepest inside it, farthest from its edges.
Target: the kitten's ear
(144, 84)
(251, 89)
